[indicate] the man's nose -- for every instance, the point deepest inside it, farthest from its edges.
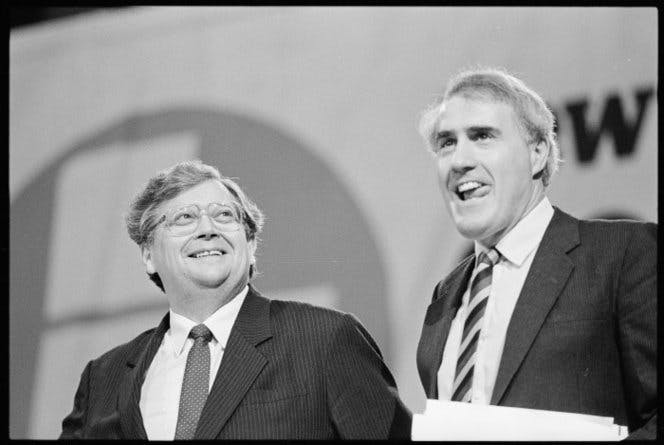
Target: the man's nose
(463, 157)
(206, 228)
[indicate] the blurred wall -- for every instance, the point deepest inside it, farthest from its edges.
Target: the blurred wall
(315, 111)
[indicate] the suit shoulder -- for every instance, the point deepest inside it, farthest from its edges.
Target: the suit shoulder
(317, 328)
(317, 324)
(306, 312)
(619, 231)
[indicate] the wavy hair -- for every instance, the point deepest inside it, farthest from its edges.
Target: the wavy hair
(142, 218)
(535, 119)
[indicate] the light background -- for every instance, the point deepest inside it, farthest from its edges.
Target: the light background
(315, 111)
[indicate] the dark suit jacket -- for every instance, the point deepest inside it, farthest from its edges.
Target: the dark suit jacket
(583, 335)
(289, 371)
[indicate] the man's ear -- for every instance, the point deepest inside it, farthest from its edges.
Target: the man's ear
(539, 153)
(146, 256)
(252, 251)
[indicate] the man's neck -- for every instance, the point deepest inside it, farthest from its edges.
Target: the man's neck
(536, 198)
(201, 303)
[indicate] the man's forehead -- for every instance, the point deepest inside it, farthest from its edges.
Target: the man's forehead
(202, 193)
(473, 111)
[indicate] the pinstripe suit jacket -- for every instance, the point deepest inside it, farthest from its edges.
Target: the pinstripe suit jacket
(289, 371)
(583, 335)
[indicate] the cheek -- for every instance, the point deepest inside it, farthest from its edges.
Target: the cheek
(167, 255)
(162, 261)
(241, 246)
(512, 176)
(442, 172)
(245, 254)
(512, 197)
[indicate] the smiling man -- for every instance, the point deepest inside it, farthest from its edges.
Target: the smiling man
(551, 312)
(226, 362)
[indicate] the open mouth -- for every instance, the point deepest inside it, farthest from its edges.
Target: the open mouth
(471, 189)
(207, 253)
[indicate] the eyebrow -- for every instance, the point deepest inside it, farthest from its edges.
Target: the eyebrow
(482, 129)
(472, 129)
(443, 134)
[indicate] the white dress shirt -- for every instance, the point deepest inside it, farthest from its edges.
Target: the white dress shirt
(160, 393)
(517, 250)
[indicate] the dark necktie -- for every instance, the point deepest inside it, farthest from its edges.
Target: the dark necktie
(479, 296)
(195, 384)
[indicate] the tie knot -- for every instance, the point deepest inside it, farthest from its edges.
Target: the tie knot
(489, 258)
(201, 331)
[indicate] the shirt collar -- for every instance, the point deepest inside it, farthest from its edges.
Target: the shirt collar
(525, 236)
(220, 324)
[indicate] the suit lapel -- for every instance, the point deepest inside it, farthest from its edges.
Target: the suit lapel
(545, 281)
(239, 367)
(447, 298)
(129, 394)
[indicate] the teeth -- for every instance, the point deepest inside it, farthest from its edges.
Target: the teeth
(207, 253)
(468, 186)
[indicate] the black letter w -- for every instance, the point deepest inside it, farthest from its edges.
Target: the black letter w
(613, 120)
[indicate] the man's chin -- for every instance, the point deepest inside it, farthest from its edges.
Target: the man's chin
(209, 281)
(473, 230)
(470, 223)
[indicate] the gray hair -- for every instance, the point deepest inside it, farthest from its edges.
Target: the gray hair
(535, 119)
(142, 219)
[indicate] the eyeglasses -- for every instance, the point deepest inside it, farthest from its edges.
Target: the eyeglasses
(185, 220)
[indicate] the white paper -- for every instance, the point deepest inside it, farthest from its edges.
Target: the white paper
(443, 420)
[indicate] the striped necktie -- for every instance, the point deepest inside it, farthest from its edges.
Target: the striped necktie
(195, 385)
(479, 296)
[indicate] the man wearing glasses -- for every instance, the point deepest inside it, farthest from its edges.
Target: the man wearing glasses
(226, 362)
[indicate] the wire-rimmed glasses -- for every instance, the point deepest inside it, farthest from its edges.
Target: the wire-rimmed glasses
(185, 220)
